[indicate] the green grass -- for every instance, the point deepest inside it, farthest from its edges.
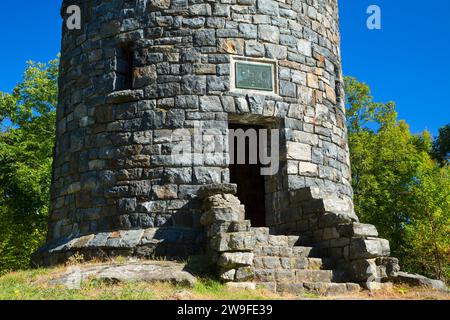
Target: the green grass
(216, 290)
(33, 285)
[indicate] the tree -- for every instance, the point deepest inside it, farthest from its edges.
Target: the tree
(391, 170)
(427, 241)
(441, 146)
(27, 119)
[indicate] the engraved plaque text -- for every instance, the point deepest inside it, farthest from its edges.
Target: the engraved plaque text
(255, 76)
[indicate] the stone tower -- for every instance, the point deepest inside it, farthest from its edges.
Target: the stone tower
(143, 79)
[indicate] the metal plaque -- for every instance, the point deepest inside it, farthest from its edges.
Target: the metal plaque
(256, 76)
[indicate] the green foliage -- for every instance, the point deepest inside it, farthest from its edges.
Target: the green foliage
(397, 185)
(441, 146)
(364, 110)
(27, 119)
(427, 240)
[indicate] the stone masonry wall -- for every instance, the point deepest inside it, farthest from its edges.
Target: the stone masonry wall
(140, 70)
(141, 161)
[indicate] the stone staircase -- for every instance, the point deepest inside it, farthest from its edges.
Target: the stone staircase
(333, 247)
(281, 265)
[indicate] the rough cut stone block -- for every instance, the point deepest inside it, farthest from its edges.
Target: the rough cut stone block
(82, 242)
(268, 7)
(220, 214)
(244, 274)
(358, 230)
(235, 259)
(165, 192)
(278, 240)
(289, 287)
(314, 275)
(207, 175)
(333, 219)
(210, 103)
(227, 275)
(303, 251)
(301, 263)
(308, 169)
(304, 47)
(212, 189)
(232, 46)
(237, 241)
(299, 151)
(274, 51)
(131, 238)
(387, 266)
(160, 4)
(313, 81)
(362, 270)
(202, 9)
(361, 248)
(269, 33)
(304, 194)
(125, 96)
(271, 262)
(254, 49)
(264, 275)
(240, 226)
(339, 206)
(282, 275)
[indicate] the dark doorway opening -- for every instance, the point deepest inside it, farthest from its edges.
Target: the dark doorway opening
(250, 182)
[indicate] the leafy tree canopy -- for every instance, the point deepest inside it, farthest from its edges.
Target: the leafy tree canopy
(441, 146)
(27, 120)
(397, 185)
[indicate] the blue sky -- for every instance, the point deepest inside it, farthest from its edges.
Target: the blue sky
(407, 61)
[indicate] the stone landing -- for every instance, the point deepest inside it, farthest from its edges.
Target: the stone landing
(170, 242)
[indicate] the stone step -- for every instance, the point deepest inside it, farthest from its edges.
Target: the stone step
(275, 262)
(260, 231)
(321, 288)
(306, 252)
(296, 275)
(280, 241)
(316, 264)
(314, 276)
(284, 251)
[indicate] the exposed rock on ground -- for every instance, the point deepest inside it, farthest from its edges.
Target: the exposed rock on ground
(420, 281)
(151, 271)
